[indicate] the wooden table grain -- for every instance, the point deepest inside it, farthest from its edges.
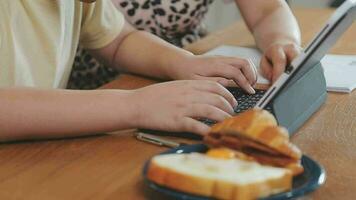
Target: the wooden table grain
(109, 166)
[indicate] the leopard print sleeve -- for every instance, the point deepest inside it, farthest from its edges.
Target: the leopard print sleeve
(176, 21)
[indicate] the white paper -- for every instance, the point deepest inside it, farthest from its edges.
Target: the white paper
(339, 70)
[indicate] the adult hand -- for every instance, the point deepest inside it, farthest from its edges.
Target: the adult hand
(175, 106)
(276, 57)
(219, 69)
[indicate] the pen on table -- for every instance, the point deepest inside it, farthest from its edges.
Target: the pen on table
(157, 140)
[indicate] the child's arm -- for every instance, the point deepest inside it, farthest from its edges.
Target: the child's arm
(276, 33)
(143, 53)
(27, 113)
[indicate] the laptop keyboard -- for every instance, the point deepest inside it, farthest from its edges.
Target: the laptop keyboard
(245, 101)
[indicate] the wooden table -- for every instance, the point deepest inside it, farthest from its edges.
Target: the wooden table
(109, 167)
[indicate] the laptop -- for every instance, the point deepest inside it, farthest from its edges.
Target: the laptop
(339, 22)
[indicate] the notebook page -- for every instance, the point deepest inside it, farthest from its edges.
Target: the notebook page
(340, 72)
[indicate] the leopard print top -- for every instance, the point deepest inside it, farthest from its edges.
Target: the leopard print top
(176, 21)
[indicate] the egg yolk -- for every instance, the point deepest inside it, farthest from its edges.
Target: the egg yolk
(222, 153)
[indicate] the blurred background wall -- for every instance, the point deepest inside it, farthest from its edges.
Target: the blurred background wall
(216, 19)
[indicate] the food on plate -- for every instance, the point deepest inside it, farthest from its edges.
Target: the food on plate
(221, 178)
(256, 134)
(249, 157)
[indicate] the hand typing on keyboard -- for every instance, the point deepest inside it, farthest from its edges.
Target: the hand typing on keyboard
(245, 101)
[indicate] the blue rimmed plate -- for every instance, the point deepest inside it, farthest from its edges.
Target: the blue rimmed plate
(312, 178)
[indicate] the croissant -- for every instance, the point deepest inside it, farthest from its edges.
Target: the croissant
(256, 134)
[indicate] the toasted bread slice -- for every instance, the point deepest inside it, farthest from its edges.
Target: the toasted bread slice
(230, 179)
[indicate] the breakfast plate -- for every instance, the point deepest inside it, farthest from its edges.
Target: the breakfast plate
(311, 179)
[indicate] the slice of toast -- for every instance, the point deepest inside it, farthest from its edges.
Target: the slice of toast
(231, 179)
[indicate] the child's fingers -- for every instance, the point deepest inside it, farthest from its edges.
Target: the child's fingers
(291, 52)
(279, 60)
(266, 68)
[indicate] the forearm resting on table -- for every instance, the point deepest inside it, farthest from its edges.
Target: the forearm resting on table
(27, 113)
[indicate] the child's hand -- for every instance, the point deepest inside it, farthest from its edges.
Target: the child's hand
(175, 106)
(218, 69)
(276, 58)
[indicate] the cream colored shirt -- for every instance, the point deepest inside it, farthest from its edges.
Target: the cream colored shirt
(39, 38)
